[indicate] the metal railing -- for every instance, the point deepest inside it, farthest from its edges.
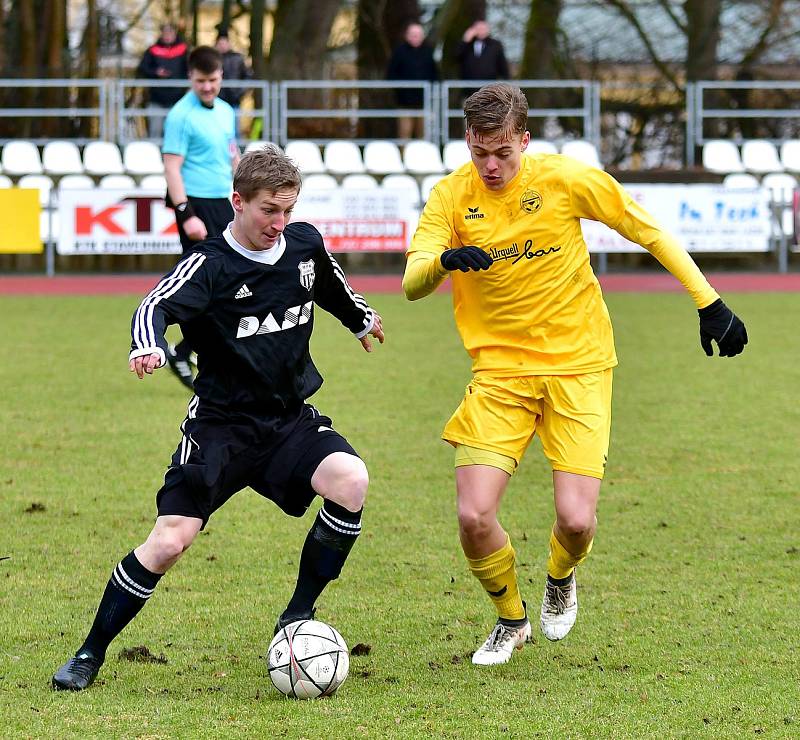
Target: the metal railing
(700, 111)
(346, 102)
(588, 112)
(27, 88)
(133, 120)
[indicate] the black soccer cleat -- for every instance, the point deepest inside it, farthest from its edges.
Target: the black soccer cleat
(285, 619)
(181, 368)
(77, 673)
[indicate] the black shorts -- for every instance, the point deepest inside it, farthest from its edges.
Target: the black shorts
(215, 213)
(222, 452)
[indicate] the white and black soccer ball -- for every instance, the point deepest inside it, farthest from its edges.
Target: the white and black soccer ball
(308, 659)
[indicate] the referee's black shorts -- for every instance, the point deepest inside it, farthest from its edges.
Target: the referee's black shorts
(215, 213)
(223, 451)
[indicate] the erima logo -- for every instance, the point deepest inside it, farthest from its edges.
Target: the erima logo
(243, 292)
(294, 316)
(473, 213)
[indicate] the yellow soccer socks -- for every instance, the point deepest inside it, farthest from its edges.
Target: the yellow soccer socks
(497, 574)
(561, 563)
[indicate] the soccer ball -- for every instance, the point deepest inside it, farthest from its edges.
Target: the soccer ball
(308, 659)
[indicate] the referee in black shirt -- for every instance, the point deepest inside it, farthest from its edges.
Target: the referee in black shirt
(246, 301)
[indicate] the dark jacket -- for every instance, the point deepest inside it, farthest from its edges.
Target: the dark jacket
(491, 64)
(234, 68)
(172, 58)
(411, 63)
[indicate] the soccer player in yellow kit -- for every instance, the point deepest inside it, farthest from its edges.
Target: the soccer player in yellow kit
(506, 229)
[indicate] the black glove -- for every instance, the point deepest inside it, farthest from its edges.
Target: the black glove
(466, 259)
(718, 322)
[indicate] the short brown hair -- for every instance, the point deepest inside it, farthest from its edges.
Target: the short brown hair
(268, 169)
(205, 59)
(498, 107)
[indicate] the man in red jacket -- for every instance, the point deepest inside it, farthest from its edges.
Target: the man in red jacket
(166, 59)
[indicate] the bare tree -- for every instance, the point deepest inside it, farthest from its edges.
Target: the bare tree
(300, 38)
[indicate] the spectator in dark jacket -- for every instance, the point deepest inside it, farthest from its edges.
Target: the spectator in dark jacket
(411, 60)
(481, 57)
(234, 68)
(166, 59)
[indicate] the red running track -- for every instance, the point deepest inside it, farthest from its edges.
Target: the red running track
(623, 283)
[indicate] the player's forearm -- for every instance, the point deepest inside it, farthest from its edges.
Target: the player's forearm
(424, 273)
(172, 174)
(639, 226)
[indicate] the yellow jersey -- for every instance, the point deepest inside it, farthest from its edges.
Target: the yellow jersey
(538, 310)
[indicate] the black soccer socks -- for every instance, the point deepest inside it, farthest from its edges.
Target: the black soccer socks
(327, 546)
(129, 587)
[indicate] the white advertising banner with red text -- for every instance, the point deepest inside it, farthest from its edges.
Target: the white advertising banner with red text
(360, 220)
(137, 222)
(104, 221)
(704, 218)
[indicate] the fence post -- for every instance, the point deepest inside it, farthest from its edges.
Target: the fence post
(690, 123)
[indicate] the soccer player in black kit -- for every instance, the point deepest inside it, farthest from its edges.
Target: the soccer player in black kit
(245, 300)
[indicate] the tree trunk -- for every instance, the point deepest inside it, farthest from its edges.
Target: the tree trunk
(87, 96)
(380, 28)
(300, 38)
(541, 59)
(703, 31)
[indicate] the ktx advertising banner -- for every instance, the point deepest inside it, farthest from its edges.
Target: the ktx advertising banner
(704, 218)
(115, 222)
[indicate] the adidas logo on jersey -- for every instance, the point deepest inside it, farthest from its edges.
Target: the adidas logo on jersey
(243, 292)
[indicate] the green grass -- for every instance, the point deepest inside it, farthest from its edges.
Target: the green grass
(689, 616)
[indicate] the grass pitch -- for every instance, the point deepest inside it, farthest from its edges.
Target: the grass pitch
(689, 617)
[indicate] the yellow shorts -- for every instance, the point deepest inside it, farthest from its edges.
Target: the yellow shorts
(570, 413)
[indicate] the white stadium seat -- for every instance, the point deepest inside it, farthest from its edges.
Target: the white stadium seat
(5, 182)
(456, 153)
(102, 158)
(306, 155)
(21, 158)
(781, 183)
(117, 182)
(342, 158)
(42, 183)
(153, 182)
(760, 156)
(427, 185)
(740, 181)
(790, 155)
(143, 158)
(582, 150)
(401, 182)
(540, 146)
(722, 155)
(422, 157)
(359, 181)
(256, 145)
(75, 182)
(383, 158)
(320, 181)
(61, 158)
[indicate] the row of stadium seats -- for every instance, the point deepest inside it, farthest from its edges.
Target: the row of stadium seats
(141, 158)
(47, 187)
(781, 182)
(417, 157)
(757, 156)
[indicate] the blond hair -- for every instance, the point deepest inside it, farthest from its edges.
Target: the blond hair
(497, 108)
(267, 169)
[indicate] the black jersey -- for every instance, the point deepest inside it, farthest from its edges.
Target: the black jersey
(250, 322)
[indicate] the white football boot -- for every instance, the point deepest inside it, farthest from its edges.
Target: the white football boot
(559, 609)
(501, 643)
